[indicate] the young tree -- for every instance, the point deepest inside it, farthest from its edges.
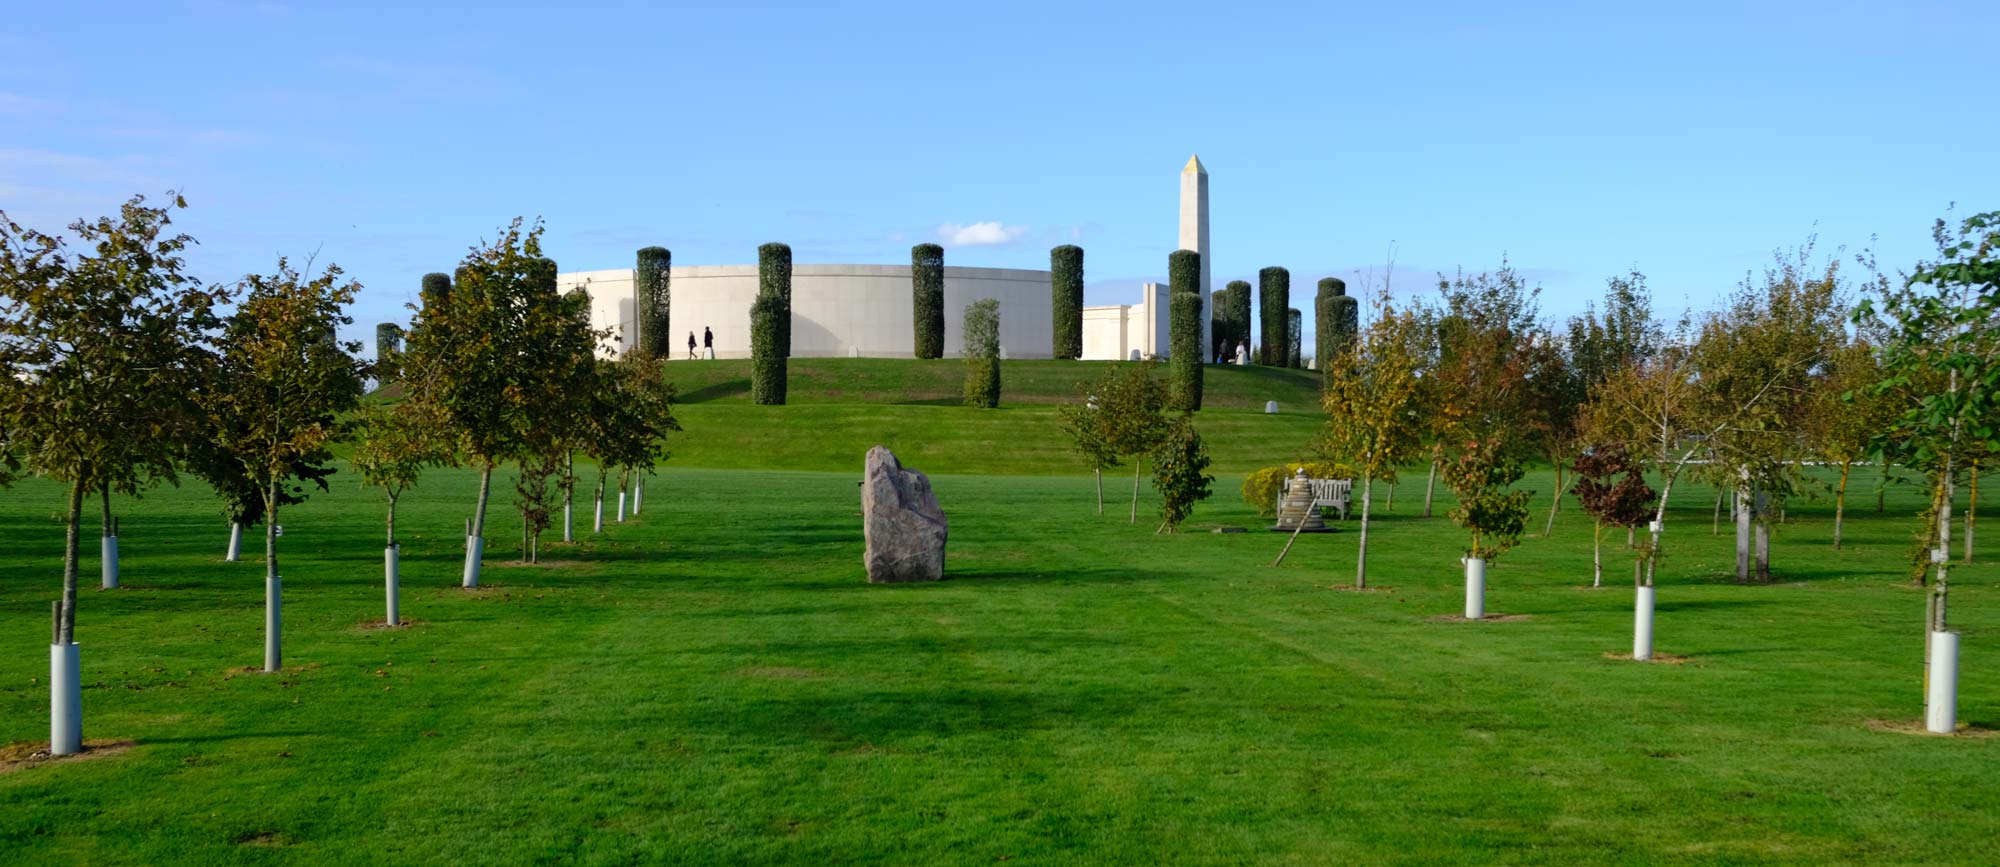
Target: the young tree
(1274, 297)
(1598, 344)
(632, 411)
(467, 346)
(1756, 360)
(1481, 472)
(1613, 490)
(394, 443)
(559, 359)
(111, 343)
(982, 353)
(1184, 357)
(287, 379)
(1129, 402)
(1088, 429)
(1180, 464)
(1942, 339)
(927, 287)
(1844, 413)
(653, 288)
(1066, 286)
(1371, 399)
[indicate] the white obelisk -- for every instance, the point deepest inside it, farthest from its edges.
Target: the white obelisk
(1194, 236)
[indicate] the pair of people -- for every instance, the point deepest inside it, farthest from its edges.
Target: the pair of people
(707, 341)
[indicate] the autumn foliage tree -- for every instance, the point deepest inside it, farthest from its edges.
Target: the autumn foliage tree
(1613, 489)
(1372, 396)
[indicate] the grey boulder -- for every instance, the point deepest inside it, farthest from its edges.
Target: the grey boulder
(900, 521)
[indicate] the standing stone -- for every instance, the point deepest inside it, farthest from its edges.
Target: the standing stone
(900, 521)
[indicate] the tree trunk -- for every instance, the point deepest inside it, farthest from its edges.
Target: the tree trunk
(569, 492)
(72, 537)
(108, 544)
(1882, 493)
(392, 521)
(1971, 510)
(597, 522)
(1597, 556)
(273, 584)
(1551, 526)
(1099, 473)
(475, 544)
(1715, 521)
(1762, 529)
(1390, 501)
(527, 538)
(1631, 538)
(1840, 503)
(1742, 535)
(1361, 546)
(1430, 487)
(1135, 492)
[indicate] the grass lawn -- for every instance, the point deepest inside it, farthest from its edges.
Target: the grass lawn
(713, 682)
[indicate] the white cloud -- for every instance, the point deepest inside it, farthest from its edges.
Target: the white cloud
(987, 234)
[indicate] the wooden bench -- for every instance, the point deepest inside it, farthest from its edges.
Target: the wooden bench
(1334, 493)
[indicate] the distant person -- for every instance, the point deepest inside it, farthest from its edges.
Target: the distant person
(1242, 353)
(708, 343)
(691, 345)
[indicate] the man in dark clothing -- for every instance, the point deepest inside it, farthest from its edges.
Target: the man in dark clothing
(708, 342)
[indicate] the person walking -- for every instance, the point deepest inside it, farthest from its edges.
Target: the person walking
(1242, 353)
(691, 345)
(708, 343)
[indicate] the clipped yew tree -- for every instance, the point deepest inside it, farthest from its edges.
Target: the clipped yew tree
(1218, 323)
(982, 353)
(1336, 320)
(774, 278)
(1274, 297)
(1294, 338)
(1066, 288)
(927, 289)
(1184, 354)
(116, 337)
(654, 292)
(1237, 310)
(767, 366)
(388, 344)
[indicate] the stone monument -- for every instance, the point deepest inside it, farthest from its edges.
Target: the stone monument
(1297, 508)
(1194, 235)
(901, 524)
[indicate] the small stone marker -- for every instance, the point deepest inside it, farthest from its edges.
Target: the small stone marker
(1270, 407)
(901, 524)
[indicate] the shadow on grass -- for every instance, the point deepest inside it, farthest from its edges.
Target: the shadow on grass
(879, 718)
(727, 388)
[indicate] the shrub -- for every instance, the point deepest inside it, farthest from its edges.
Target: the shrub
(1336, 320)
(767, 366)
(927, 285)
(1066, 287)
(649, 284)
(1294, 338)
(1184, 324)
(774, 280)
(1274, 297)
(982, 353)
(1261, 488)
(1179, 464)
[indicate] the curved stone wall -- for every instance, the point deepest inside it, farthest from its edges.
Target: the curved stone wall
(837, 310)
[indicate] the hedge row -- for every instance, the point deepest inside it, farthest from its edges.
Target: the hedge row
(1066, 288)
(927, 284)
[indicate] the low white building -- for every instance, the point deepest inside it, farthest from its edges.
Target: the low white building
(867, 311)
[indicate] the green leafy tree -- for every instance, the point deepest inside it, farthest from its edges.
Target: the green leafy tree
(1126, 407)
(1274, 297)
(1180, 465)
(560, 358)
(653, 289)
(468, 347)
(1066, 285)
(104, 351)
(927, 289)
(1844, 414)
(1756, 361)
(1088, 428)
(982, 353)
(631, 413)
(286, 381)
(1372, 397)
(1184, 353)
(393, 444)
(1481, 473)
(1940, 341)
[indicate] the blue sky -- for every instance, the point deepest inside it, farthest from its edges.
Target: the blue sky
(1578, 139)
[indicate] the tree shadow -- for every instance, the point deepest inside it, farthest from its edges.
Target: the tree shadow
(727, 388)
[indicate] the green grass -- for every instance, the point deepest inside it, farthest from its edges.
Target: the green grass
(942, 382)
(714, 683)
